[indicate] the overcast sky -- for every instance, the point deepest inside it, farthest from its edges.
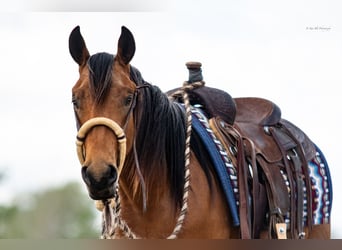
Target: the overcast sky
(289, 52)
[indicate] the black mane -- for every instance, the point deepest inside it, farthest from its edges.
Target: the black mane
(161, 135)
(160, 138)
(100, 67)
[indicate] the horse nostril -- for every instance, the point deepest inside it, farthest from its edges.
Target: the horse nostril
(108, 178)
(85, 175)
(112, 174)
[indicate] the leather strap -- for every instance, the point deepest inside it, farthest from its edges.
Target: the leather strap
(236, 141)
(259, 200)
(299, 190)
(275, 133)
(303, 155)
(244, 205)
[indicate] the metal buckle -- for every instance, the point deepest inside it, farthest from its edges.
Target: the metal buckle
(301, 235)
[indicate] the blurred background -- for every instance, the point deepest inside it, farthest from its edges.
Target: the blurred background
(289, 52)
(62, 212)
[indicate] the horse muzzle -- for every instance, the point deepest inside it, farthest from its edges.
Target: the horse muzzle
(101, 187)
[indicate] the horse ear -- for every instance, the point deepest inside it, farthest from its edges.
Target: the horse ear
(77, 47)
(126, 46)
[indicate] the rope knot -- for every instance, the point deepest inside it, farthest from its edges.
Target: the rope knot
(186, 88)
(100, 204)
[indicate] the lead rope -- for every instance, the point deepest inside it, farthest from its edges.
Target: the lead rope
(109, 211)
(186, 87)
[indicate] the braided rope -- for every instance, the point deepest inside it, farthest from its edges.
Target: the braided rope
(109, 229)
(118, 222)
(184, 208)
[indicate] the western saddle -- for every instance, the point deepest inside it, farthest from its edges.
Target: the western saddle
(271, 156)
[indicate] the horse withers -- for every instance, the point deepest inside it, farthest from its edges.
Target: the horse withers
(144, 158)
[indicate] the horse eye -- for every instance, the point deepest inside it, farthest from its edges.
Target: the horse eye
(128, 100)
(75, 102)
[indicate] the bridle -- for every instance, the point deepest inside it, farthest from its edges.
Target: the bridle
(118, 131)
(108, 207)
(112, 125)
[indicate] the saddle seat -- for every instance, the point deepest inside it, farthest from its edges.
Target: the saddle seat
(257, 110)
(254, 117)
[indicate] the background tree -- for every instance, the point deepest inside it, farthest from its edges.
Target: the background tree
(63, 212)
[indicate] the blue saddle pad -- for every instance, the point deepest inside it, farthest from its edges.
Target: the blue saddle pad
(224, 168)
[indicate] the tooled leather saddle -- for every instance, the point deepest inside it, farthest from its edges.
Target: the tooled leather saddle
(265, 148)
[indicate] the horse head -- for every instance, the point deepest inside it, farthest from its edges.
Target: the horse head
(103, 98)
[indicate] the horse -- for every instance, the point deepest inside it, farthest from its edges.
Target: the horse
(150, 172)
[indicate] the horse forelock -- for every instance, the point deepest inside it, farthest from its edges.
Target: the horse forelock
(136, 77)
(100, 67)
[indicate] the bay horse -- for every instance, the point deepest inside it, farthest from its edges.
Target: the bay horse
(131, 142)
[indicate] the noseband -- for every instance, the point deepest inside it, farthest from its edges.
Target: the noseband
(101, 121)
(112, 125)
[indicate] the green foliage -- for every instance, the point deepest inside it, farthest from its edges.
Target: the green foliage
(64, 212)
